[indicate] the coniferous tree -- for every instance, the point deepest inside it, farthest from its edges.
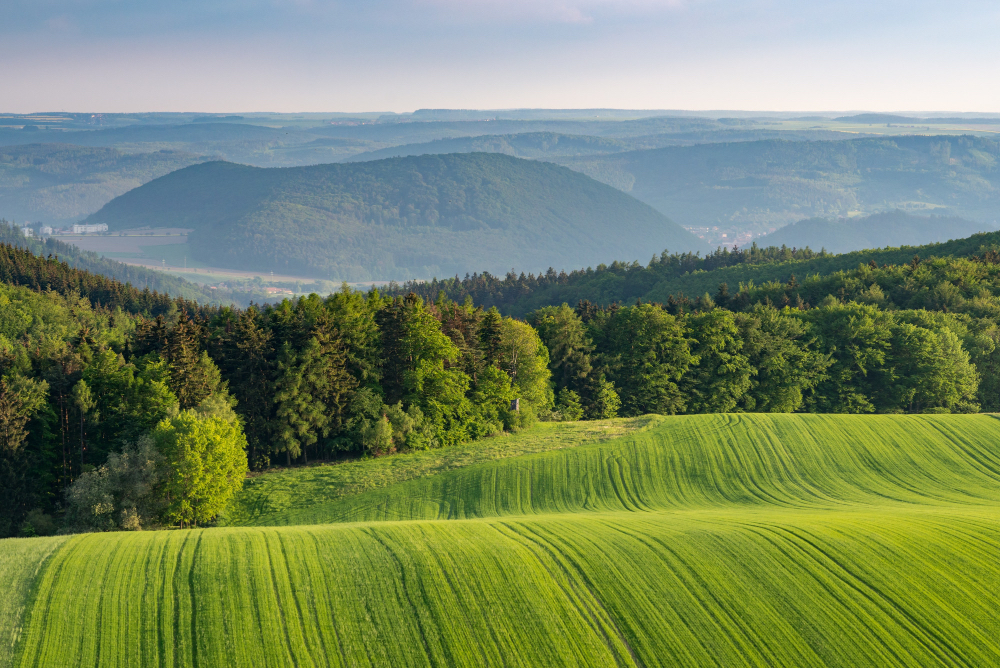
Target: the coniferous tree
(245, 353)
(491, 336)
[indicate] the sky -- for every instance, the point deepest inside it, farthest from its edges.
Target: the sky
(399, 55)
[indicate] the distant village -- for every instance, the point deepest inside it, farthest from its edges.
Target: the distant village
(47, 230)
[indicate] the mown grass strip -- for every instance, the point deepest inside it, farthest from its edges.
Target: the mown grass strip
(21, 560)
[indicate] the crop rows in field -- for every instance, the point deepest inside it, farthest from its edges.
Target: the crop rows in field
(708, 461)
(903, 588)
(274, 493)
(704, 541)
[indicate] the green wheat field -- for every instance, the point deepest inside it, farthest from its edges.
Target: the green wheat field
(707, 540)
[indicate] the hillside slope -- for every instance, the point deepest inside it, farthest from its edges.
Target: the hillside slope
(892, 228)
(550, 145)
(712, 540)
(398, 218)
(702, 462)
(757, 186)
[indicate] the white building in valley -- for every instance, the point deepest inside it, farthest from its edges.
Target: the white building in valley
(90, 229)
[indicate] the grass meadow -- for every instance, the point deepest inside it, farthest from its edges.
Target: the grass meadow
(711, 540)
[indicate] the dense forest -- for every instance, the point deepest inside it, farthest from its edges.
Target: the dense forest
(123, 409)
(422, 216)
(677, 275)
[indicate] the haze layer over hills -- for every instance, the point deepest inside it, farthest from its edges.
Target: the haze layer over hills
(727, 177)
(57, 183)
(398, 218)
(893, 228)
(759, 186)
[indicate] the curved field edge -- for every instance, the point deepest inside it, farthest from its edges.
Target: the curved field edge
(292, 490)
(902, 587)
(707, 461)
(21, 560)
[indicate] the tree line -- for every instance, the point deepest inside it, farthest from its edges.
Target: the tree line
(519, 293)
(114, 419)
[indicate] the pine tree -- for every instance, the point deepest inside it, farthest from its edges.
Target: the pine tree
(490, 336)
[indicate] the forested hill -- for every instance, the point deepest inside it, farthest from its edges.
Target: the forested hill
(680, 276)
(892, 228)
(400, 218)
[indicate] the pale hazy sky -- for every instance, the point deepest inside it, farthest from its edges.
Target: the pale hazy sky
(400, 55)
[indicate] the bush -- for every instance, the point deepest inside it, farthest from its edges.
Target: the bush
(568, 406)
(124, 494)
(38, 523)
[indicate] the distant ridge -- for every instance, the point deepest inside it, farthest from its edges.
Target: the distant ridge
(400, 218)
(892, 228)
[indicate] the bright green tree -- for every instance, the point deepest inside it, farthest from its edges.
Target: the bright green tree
(206, 463)
(526, 360)
(858, 339)
(780, 350)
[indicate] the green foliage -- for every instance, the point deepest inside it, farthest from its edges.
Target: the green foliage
(300, 389)
(645, 353)
(721, 374)
(526, 360)
(568, 405)
(788, 365)
(206, 463)
(750, 275)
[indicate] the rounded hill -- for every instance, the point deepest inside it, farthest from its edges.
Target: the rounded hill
(400, 218)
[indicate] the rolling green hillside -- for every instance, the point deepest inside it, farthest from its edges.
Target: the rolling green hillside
(714, 540)
(892, 228)
(701, 462)
(757, 186)
(397, 218)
